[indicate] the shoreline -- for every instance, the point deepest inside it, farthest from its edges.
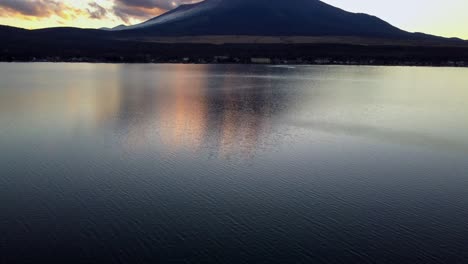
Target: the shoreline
(113, 51)
(449, 64)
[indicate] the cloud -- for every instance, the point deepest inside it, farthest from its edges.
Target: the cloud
(96, 11)
(161, 4)
(144, 9)
(61, 11)
(127, 11)
(38, 9)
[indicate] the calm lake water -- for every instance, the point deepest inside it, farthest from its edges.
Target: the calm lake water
(243, 164)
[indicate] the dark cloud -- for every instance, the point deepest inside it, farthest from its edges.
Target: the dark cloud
(126, 10)
(96, 11)
(162, 4)
(30, 9)
(126, 13)
(38, 8)
(143, 9)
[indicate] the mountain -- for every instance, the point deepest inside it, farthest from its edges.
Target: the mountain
(119, 27)
(265, 18)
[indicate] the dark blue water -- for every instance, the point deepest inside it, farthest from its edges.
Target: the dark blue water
(233, 164)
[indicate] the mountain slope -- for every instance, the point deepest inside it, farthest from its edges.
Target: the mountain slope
(265, 17)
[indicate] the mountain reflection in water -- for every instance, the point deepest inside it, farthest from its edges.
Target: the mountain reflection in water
(233, 164)
(226, 114)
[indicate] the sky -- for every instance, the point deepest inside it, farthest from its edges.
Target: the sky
(444, 18)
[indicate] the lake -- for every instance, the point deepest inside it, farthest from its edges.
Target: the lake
(136, 163)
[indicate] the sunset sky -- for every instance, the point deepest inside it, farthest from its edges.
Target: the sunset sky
(444, 18)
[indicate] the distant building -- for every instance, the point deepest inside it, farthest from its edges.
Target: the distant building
(260, 60)
(322, 61)
(221, 58)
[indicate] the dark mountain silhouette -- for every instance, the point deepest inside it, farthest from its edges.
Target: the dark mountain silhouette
(242, 17)
(265, 18)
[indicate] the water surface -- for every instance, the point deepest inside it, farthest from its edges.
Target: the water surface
(244, 164)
